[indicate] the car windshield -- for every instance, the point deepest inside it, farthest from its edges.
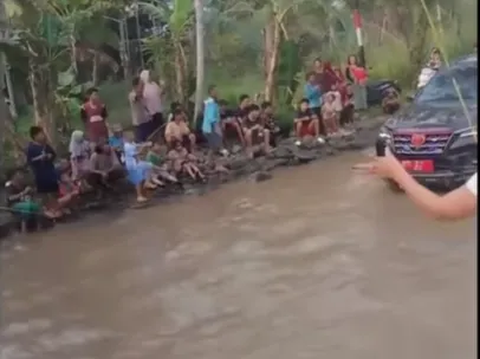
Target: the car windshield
(441, 87)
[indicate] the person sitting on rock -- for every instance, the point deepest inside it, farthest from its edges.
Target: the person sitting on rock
(139, 171)
(178, 130)
(233, 125)
(306, 123)
(268, 122)
(173, 107)
(157, 157)
(68, 191)
(105, 168)
(183, 162)
(115, 141)
(19, 200)
(329, 115)
(348, 108)
(79, 149)
(391, 102)
(254, 131)
(228, 119)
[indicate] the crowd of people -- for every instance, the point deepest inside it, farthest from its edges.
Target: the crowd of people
(160, 151)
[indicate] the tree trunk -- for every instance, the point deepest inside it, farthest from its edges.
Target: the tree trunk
(39, 80)
(179, 73)
(73, 54)
(416, 50)
(200, 58)
(95, 69)
(273, 37)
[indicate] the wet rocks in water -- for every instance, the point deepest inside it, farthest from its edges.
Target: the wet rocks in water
(261, 176)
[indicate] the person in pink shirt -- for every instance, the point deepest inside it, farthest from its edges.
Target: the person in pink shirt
(152, 99)
(358, 77)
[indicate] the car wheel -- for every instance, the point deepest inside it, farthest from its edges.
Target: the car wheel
(394, 187)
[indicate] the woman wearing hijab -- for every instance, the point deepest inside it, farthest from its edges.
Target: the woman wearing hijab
(79, 155)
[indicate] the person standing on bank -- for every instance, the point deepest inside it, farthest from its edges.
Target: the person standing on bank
(94, 116)
(152, 95)
(139, 113)
(357, 76)
(458, 204)
(313, 94)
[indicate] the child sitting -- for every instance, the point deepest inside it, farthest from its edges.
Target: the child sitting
(329, 115)
(348, 110)
(139, 171)
(159, 166)
(116, 142)
(254, 131)
(306, 123)
(23, 207)
(177, 130)
(268, 122)
(391, 102)
(183, 162)
(68, 190)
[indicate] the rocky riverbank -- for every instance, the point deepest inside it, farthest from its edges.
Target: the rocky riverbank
(239, 166)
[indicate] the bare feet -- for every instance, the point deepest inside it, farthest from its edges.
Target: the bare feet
(142, 199)
(150, 186)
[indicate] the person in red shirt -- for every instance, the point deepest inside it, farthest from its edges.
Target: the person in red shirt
(358, 76)
(94, 115)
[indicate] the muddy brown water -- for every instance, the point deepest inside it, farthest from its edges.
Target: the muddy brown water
(315, 263)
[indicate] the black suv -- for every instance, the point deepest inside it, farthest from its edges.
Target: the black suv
(435, 137)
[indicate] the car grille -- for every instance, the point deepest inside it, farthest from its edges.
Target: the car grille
(435, 144)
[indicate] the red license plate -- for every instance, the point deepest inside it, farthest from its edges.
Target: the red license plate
(424, 166)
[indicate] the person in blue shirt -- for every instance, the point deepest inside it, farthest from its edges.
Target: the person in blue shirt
(211, 122)
(116, 141)
(313, 94)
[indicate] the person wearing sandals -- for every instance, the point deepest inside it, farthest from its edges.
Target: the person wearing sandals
(139, 172)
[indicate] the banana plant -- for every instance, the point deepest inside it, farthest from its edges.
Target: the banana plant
(171, 49)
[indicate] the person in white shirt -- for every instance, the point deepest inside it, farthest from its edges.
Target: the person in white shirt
(458, 204)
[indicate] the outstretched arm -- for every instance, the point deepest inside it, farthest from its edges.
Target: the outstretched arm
(457, 204)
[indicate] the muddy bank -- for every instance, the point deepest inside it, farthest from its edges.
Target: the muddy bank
(240, 167)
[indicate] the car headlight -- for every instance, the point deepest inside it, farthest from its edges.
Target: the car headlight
(384, 134)
(465, 138)
(471, 132)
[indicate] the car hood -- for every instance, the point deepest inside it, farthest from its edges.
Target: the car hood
(424, 116)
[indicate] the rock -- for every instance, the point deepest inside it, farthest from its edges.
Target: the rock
(304, 155)
(330, 151)
(282, 152)
(261, 176)
(236, 149)
(237, 162)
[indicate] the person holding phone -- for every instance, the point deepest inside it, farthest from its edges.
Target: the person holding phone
(455, 205)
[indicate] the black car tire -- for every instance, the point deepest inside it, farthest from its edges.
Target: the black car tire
(393, 186)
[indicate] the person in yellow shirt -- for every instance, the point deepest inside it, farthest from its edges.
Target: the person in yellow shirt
(178, 130)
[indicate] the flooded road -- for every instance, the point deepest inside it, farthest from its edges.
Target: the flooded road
(315, 263)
